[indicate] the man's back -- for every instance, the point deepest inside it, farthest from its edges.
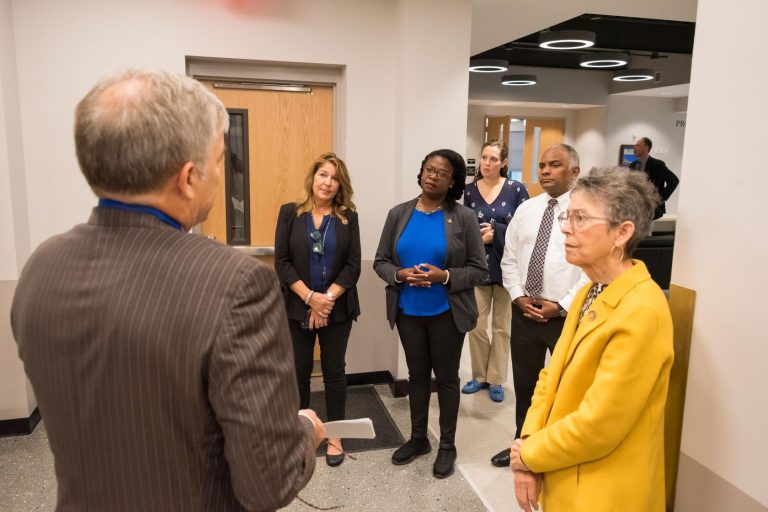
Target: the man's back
(147, 348)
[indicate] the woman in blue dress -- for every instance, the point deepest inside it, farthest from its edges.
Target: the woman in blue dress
(494, 199)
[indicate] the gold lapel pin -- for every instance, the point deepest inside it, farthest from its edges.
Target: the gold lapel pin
(450, 221)
(592, 315)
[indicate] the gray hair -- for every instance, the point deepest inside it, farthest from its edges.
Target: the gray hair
(625, 195)
(136, 129)
(573, 156)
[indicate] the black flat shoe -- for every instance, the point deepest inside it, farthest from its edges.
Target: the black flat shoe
(334, 460)
(501, 459)
(443, 467)
(410, 450)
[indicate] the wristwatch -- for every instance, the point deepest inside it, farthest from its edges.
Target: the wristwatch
(561, 311)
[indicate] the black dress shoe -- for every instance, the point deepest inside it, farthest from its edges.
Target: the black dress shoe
(334, 460)
(443, 467)
(501, 459)
(410, 450)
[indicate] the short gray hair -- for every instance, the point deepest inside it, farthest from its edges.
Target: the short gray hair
(625, 195)
(573, 156)
(136, 129)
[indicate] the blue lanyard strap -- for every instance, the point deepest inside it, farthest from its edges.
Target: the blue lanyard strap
(141, 208)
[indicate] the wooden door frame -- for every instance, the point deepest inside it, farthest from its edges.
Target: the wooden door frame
(212, 68)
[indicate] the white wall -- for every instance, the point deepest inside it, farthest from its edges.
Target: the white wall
(16, 398)
(590, 137)
(396, 108)
(631, 117)
(720, 251)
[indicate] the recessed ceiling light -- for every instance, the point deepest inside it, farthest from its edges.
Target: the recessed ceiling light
(488, 65)
(567, 39)
(604, 60)
(518, 80)
(633, 75)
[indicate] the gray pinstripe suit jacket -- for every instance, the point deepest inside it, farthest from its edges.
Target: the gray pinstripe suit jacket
(163, 368)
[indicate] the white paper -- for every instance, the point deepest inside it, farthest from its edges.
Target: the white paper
(359, 429)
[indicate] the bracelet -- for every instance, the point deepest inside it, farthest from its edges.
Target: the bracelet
(447, 276)
(309, 297)
(396, 271)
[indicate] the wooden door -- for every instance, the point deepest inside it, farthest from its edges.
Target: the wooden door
(286, 131)
(497, 127)
(539, 135)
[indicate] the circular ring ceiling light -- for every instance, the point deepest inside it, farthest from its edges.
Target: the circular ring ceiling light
(604, 60)
(488, 65)
(633, 75)
(567, 39)
(518, 80)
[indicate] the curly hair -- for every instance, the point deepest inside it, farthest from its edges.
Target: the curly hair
(342, 201)
(456, 191)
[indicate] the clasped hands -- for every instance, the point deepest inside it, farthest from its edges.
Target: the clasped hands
(527, 483)
(423, 274)
(539, 310)
(320, 307)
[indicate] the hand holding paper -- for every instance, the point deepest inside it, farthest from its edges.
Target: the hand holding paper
(360, 429)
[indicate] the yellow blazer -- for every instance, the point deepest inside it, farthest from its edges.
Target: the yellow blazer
(595, 428)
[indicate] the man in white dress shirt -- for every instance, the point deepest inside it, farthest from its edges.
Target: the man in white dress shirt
(539, 280)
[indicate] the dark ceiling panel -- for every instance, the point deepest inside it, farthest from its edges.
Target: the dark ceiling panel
(637, 36)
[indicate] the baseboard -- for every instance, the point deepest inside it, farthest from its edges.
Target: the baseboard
(399, 387)
(20, 426)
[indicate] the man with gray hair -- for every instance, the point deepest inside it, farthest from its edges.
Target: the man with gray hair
(161, 361)
(539, 280)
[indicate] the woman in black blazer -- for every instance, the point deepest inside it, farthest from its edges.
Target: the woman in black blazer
(431, 256)
(317, 259)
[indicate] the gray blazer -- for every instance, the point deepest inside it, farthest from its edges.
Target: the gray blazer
(464, 259)
(162, 364)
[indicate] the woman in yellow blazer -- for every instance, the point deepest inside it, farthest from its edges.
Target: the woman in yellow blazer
(593, 439)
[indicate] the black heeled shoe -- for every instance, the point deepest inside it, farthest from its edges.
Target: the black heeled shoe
(334, 460)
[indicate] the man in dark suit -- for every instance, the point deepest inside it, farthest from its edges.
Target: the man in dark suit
(161, 361)
(662, 178)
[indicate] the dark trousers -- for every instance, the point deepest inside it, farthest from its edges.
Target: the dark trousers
(529, 343)
(432, 343)
(333, 348)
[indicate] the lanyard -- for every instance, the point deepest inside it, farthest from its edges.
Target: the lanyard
(141, 208)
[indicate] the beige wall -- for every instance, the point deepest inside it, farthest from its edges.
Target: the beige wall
(16, 397)
(720, 251)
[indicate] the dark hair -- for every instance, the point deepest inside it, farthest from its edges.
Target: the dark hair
(459, 173)
(503, 150)
(648, 142)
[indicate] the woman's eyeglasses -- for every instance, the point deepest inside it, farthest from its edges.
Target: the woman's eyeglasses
(317, 242)
(577, 219)
(442, 174)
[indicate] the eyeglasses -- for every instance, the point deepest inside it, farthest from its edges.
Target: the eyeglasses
(318, 242)
(577, 219)
(442, 174)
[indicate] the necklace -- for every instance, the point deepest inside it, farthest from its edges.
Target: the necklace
(420, 207)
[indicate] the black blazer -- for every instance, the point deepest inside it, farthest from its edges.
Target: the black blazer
(662, 178)
(464, 259)
(292, 262)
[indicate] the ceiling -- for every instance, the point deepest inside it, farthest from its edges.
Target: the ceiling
(649, 38)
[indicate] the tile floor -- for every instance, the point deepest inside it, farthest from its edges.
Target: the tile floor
(371, 483)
